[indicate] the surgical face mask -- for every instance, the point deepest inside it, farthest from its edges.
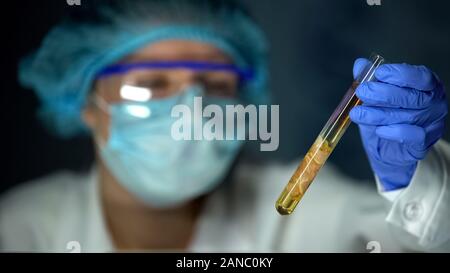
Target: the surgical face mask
(147, 161)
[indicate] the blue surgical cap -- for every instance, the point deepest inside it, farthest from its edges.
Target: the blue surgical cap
(63, 69)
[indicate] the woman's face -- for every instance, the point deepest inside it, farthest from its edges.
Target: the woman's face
(174, 80)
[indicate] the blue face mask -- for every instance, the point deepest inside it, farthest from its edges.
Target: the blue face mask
(147, 161)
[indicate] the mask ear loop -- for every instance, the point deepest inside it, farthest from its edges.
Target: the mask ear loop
(101, 103)
(104, 106)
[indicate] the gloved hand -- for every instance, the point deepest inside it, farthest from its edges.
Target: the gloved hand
(401, 117)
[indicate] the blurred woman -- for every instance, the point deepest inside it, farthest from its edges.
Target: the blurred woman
(116, 70)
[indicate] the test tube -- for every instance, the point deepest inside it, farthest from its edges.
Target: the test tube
(325, 143)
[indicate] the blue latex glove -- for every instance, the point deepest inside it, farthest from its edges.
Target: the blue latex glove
(401, 117)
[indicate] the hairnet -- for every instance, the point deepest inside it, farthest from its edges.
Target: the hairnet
(63, 68)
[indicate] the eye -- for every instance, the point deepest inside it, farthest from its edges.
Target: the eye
(219, 88)
(218, 85)
(158, 87)
(153, 83)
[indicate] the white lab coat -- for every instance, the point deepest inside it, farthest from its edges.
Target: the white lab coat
(63, 212)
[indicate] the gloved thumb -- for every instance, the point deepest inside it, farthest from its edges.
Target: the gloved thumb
(358, 66)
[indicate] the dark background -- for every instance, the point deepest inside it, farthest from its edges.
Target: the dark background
(313, 46)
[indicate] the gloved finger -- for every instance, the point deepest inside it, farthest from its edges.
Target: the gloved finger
(434, 132)
(406, 75)
(398, 154)
(371, 115)
(388, 95)
(358, 66)
(411, 135)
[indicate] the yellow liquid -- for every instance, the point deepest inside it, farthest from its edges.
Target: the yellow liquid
(318, 153)
(303, 176)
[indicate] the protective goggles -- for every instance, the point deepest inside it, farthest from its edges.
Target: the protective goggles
(145, 81)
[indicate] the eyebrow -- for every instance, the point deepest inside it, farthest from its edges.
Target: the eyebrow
(244, 73)
(212, 56)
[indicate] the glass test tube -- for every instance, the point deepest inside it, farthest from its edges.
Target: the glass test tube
(325, 143)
